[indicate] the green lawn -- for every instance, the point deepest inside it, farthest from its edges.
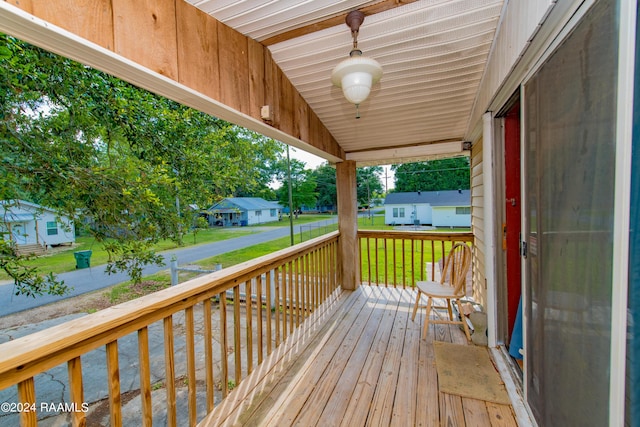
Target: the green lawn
(302, 219)
(64, 260)
(412, 268)
(403, 264)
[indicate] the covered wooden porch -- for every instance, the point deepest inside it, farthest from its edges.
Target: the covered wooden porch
(301, 351)
(359, 360)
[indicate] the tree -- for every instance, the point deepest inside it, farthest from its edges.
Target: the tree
(303, 184)
(94, 147)
(369, 185)
(325, 176)
(434, 175)
(200, 224)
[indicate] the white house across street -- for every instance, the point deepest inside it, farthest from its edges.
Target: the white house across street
(25, 223)
(436, 208)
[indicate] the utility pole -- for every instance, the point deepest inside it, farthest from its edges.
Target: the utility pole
(386, 184)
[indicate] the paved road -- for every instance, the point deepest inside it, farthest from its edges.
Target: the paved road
(94, 278)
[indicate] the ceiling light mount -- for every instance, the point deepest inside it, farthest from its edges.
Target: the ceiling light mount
(354, 19)
(356, 74)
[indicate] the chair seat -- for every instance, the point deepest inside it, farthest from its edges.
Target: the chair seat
(437, 289)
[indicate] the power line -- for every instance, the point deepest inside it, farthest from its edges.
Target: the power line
(431, 170)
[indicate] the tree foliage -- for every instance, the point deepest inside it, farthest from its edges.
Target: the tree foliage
(325, 176)
(434, 175)
(108, 154)
(369, 184)
(303, 184)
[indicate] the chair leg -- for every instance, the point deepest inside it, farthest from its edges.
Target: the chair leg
(425, 328)
(464, 320)
(415, 306)
(449, 302)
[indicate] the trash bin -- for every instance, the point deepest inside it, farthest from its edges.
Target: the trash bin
(83, 259)
(243, 223)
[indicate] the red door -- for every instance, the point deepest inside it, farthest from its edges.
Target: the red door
(512, 226)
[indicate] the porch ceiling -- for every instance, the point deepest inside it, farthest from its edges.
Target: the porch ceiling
(433, 53)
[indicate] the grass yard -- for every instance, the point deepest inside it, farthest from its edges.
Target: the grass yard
(302, 219)
(63, 260)
(403, 263)
(400, 262)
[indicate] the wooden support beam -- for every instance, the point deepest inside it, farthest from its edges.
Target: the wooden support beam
(348, 256)
(198, 59)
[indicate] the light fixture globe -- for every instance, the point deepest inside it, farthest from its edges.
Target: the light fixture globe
(355, 75)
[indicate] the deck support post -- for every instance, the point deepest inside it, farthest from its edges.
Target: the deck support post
(348, 260)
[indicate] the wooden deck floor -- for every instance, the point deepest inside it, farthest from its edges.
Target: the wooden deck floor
(358, 361)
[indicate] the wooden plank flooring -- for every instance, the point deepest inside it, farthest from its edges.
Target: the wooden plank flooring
(358, 361)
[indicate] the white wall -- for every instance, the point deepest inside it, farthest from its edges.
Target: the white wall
(35, 230)
(520, 23)
(445, 216)
(390, 219)
(265, 216)
(66, 233)
(423, 213)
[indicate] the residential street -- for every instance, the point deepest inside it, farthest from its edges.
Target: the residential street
(94, 278)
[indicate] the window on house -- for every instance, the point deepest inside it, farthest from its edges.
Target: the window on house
(463, 210)
(258, 213)
(398, 212)
(52, 228)
(273, 212)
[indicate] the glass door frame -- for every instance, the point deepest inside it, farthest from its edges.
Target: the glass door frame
(624, 124)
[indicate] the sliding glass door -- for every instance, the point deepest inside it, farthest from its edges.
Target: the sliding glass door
(569, 149)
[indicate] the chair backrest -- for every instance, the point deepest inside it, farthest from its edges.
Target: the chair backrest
(456, 267)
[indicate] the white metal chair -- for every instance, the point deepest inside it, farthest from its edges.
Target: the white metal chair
(451, 287)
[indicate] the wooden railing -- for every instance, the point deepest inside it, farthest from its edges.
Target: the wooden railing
(303, 276)
(401, 258)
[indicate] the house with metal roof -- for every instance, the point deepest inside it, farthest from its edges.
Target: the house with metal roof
(436, 208)
(33, 228)
(242, 211)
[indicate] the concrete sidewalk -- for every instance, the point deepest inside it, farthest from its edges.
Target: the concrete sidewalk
(94, 278)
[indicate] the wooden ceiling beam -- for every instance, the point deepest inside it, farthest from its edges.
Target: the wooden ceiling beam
(177, 51)
(332, 22)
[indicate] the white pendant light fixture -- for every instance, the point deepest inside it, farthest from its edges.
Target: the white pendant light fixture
(356, 74)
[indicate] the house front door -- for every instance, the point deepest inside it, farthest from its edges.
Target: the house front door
(513, 218)
(19, 233)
